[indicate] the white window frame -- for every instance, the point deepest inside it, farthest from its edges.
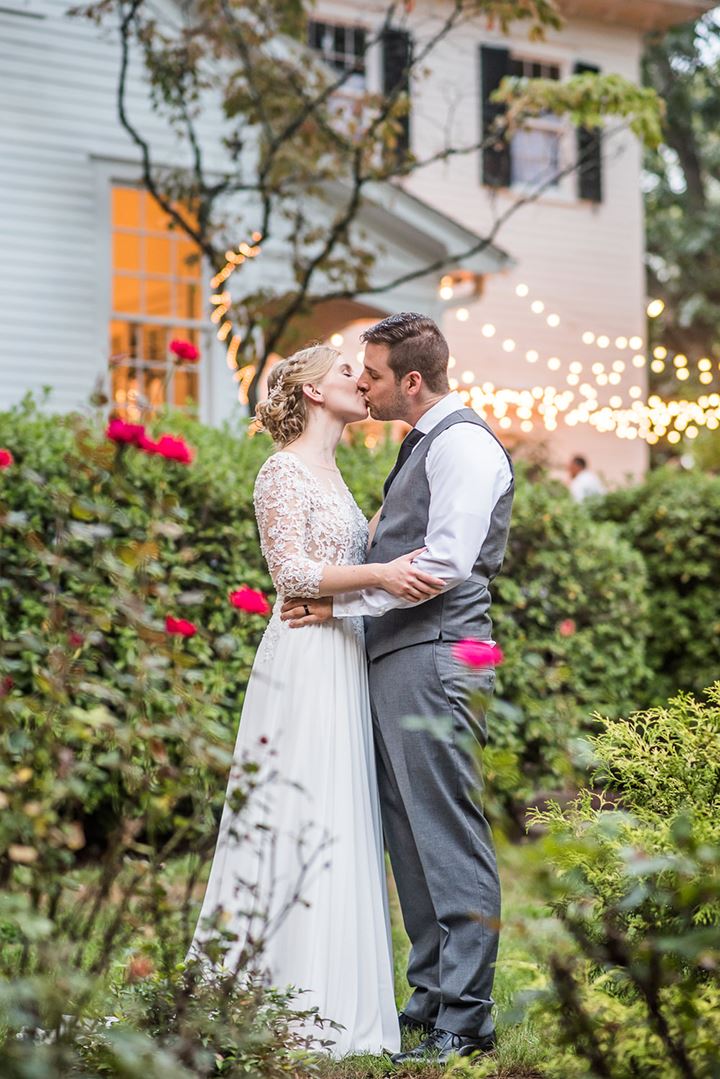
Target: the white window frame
(108, 176)
(563, 190)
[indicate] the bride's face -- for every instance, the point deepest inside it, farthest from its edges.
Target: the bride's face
(340, 393)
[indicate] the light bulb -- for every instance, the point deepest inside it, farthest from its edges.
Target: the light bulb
(639, 360)
(521, 290)
(446, 292)
(659, 352)
(621, 342)
(588, 337)
(532, 356)
(553, 320)
(537, 307)
(488, 330)
(337, 340)
(635, 342)
(462, 314)
(508, 344)
(655, 308)
(603, 341)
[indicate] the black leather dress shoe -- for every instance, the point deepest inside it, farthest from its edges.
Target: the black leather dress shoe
(408, 1025)
(440, 1045)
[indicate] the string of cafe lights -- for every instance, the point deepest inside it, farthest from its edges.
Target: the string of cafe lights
(222, 301)
(634, 418)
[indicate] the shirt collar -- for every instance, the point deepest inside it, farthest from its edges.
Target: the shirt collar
(451, 402)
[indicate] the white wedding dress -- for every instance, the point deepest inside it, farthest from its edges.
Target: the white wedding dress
(317, 874)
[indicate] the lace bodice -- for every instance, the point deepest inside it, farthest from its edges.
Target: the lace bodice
(304, 525)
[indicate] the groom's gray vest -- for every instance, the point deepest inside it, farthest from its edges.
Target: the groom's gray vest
(461, 612)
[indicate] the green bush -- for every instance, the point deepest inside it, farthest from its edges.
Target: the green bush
(634, 876)
(571, 613)
(570, 609)
(673, 521)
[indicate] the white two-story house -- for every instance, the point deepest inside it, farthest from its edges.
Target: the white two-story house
(551, 316)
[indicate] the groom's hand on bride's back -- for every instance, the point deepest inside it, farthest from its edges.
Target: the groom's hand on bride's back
(306, 612)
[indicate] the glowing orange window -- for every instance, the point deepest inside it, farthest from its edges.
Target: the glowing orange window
(156, 298)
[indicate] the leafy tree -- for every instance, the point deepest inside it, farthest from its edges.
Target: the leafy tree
(297, 154)
(683, 224)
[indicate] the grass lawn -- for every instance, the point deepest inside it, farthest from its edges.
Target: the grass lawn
(526, 925)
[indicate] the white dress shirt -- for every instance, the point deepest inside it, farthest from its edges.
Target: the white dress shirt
(585, 485)
(467, 473)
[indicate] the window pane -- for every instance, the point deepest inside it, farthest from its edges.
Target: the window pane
(126, 207)
(155, 388)
(156, 220)
(154, 343)
(119, 340)
(126, 294)
(185, 386)
(157, 255)
(158, 298)
(187, 259)
(534, 156)
(190, 300)
(126, 251)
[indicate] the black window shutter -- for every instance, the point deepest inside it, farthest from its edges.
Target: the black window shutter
(495, 161)
(589, 152)
(396, 61)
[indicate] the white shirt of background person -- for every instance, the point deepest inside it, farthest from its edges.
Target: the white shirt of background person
(584, 484)
(467, 472)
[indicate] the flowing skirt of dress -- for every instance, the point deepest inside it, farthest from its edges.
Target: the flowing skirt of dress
(306, 721)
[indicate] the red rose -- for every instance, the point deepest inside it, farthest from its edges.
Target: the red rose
(567, 627)
(174, 449)
(180, 627)
(146, 444)
(477, 653)
(6, 685)
(75, 640)
(130, 433)
(184, 350)
(6, 459)
(139, 967)
(248, 599)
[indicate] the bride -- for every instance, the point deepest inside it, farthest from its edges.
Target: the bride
(309, 851)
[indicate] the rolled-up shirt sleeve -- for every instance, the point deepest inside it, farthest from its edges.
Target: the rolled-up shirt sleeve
(467, 472)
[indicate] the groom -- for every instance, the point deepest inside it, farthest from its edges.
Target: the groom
(451, 492)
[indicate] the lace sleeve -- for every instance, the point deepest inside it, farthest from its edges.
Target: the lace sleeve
(282, 509)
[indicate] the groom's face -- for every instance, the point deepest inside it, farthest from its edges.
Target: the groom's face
(383, 393)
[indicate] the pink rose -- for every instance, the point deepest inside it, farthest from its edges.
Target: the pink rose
(250, 600)
(180, 627)
(174, 449)
(477, 653)
(184, 350)
(6, 459)
(130, 433)
(567, 627)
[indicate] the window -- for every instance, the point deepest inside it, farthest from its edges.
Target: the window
(535, 151)
(343, 48)
(157, 295)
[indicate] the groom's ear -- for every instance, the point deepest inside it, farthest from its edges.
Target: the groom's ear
(413, 383)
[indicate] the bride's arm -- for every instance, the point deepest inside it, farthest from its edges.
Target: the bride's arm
(281, 508)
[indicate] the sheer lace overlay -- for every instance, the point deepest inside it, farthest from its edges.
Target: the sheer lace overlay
(304, 526)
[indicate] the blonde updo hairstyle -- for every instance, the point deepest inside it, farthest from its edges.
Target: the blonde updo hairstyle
(284, 412)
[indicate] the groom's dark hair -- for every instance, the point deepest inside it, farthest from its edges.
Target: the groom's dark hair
(416, 344)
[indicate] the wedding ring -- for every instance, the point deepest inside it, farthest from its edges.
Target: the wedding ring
(306, 609)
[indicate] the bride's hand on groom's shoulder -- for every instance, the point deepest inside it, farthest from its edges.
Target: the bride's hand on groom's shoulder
(306, 612)
(403, 579)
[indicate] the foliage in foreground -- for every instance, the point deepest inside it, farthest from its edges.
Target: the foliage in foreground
(634, 877)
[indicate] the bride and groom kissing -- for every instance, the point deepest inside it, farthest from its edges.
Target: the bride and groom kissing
(361, 638)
